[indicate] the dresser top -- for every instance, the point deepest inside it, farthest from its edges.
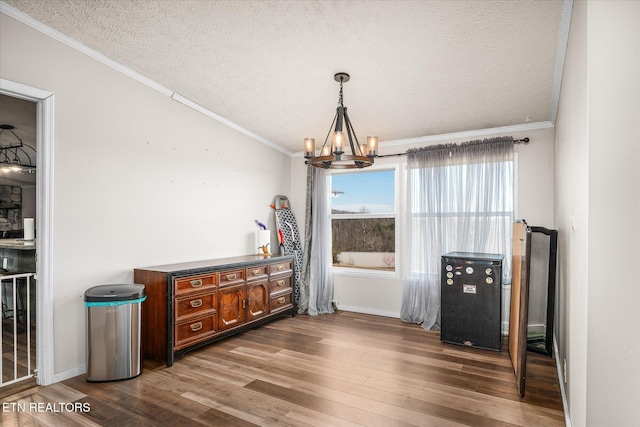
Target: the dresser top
(213, 264)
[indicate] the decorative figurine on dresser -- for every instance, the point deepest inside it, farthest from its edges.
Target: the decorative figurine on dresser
(193, 304)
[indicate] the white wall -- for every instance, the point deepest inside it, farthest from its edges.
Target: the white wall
(140, 179)
(535, 204)
(597, 213)
(571, 215)
(613, 354)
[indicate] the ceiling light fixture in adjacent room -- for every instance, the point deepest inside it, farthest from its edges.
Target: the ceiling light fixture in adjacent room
(332, 154)
(14, 156)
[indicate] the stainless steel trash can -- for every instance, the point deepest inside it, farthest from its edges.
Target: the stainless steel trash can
(114, 314)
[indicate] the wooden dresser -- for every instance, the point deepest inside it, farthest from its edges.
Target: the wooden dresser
(196, 303)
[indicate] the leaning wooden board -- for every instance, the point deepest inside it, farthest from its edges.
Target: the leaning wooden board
(518, 314)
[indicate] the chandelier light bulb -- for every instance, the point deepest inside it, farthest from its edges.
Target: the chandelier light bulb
(309, 147)
(372, 145)
(338, 143)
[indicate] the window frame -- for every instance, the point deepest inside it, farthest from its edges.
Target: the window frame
(365, 272)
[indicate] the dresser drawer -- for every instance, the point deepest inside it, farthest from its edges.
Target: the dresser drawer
(280, 267)
(195, 330)
(195, 283)
(194, 305)
(279, 284)
(281, 302)
(256, 271)
(230, 277)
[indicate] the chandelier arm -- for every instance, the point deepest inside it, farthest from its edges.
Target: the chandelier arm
(21, 143)
(14, 134)
(26, 154)
(329, 133)
(350, 131)
(24, 147)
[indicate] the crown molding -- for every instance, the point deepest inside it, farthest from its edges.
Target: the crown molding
(563, 40)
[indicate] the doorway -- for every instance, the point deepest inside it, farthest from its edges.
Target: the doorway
(39, 283)
(18, 149)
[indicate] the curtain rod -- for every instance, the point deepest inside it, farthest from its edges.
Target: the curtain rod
(515, 141)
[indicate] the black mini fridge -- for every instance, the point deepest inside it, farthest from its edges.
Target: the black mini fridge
(471, 291)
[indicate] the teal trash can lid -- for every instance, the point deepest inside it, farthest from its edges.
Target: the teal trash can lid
(111, 293)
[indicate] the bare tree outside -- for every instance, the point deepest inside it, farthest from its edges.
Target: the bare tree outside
(364, 235)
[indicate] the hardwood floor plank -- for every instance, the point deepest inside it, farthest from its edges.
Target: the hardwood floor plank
(293, 367)
(213, 417)
(462, 416)
(17, 387)
(306, 416)
(242, 406)
(60, 392)
(336, 409)
(354, 373)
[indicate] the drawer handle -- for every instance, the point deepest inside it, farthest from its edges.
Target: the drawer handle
(280, 283)
(257, 271)
(231, 276)
(280, 267)
(196, 283)
(196, 303)
(281, 300)
(196, 326)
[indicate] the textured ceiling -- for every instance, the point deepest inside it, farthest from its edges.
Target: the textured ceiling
(417, 68)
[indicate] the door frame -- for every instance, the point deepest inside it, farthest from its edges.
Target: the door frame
(44, 222)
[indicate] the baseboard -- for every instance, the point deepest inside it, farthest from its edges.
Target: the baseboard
(69, 373)
(561, 380)
(368, 311)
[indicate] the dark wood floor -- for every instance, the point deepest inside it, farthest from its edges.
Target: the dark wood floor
(344, 369)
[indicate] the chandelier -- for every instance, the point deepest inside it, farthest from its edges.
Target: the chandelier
(14, 156)
(332, 155)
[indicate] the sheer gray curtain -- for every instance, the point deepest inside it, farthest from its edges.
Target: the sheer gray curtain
(459, 198)
(316, 281)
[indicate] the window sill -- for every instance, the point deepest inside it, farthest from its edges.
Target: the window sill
(363, 272)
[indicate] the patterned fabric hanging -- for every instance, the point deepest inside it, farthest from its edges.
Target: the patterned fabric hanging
(289, 238)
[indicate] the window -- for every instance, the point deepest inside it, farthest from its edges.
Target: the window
(363, 219)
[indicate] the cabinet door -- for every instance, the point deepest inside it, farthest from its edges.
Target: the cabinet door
(258, 295)
(231, 303)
